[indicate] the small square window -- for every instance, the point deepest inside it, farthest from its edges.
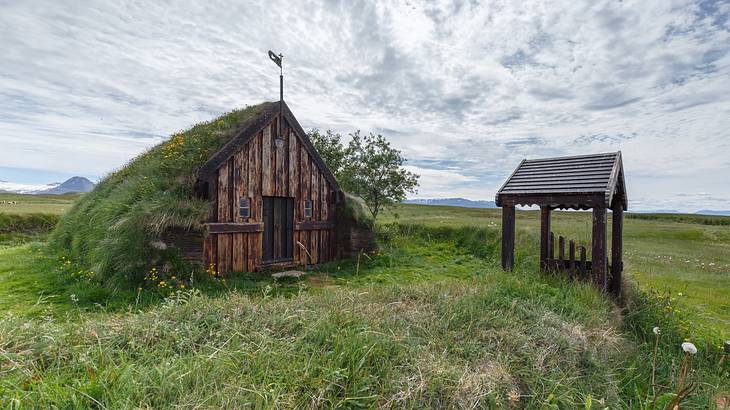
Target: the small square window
(307, 208)
(244, 207)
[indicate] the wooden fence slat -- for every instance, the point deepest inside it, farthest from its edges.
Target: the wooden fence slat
(551, 248)
(571, 262)
(561, 252)
(583, 262)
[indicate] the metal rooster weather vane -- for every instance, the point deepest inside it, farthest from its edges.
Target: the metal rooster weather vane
(278, 60)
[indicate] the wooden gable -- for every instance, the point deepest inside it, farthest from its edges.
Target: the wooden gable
(255, 168)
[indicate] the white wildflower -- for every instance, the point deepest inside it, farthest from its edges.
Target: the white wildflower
(689, 348)
(656, 330)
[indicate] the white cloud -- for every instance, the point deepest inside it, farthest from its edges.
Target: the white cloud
(83, 87)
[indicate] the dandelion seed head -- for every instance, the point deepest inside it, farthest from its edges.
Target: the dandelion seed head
(689, 348)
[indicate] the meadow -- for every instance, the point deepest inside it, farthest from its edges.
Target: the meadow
(684, 257)
(34, 204)
(430, 321)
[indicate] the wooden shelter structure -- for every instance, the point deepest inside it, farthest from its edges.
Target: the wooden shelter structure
(577, 182)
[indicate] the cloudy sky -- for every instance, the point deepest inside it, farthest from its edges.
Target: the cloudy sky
(464, 89)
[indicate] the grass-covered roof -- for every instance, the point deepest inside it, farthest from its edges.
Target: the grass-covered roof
(111, 230)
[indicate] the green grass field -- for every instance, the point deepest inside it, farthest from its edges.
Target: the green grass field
(676, 255)
(430, 321)
(30, 204)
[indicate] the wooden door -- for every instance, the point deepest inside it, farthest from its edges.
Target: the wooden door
(278, 229)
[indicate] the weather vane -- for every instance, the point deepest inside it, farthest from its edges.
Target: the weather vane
(278, 60)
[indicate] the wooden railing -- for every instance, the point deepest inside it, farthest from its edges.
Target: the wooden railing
(576, 263)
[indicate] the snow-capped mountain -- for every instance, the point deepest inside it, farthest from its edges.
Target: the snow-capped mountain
(462, 202)
(73, 184)
(15, 188)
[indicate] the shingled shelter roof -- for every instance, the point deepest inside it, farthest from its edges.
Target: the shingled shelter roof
(576, 182)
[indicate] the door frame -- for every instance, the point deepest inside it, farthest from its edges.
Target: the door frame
(278, 235)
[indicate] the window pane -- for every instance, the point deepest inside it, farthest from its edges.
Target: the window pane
(307, 208)
(244, 209)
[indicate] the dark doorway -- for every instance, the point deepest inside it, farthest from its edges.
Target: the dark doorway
(278, 229)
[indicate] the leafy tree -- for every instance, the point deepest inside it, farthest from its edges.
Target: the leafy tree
(330, 148)
(368, 167)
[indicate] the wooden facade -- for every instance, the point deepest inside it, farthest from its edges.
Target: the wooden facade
(274, 199)
(579, 182)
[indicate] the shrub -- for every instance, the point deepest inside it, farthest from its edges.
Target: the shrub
(27, 223)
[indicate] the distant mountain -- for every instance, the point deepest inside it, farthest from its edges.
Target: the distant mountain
(462, 202)
(73, 184)
(14, 188)
(711, 212)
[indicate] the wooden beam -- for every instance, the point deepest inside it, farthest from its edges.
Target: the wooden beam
(582, 200)
(544, 237)
(508, 238)
(234, 227)
(598, 256)
(617, 250)
(312, 225)
(613, 179)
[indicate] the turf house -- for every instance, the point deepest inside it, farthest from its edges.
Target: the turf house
(239, 193)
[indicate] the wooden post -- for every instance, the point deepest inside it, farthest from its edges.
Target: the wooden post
(617, 250)
(561, 253)
(583, 262)
(598, 257)
(571, 261)
(508, 237)
(545, 234)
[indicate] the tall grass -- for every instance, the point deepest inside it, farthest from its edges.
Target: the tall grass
(27, 223)
(16, 229)
(488, 342)
(433, 336)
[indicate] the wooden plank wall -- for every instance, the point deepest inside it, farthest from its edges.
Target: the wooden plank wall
(263, 169)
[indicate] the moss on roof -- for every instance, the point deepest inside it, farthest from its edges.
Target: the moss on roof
(109, 230)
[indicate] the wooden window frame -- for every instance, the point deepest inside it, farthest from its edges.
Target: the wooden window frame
(241, 207)
(308, 206)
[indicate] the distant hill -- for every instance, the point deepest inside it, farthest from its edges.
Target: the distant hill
(711, 212)
(462, 202)
(73, 184)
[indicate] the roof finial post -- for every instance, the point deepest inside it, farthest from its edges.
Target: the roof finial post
(278, 60)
